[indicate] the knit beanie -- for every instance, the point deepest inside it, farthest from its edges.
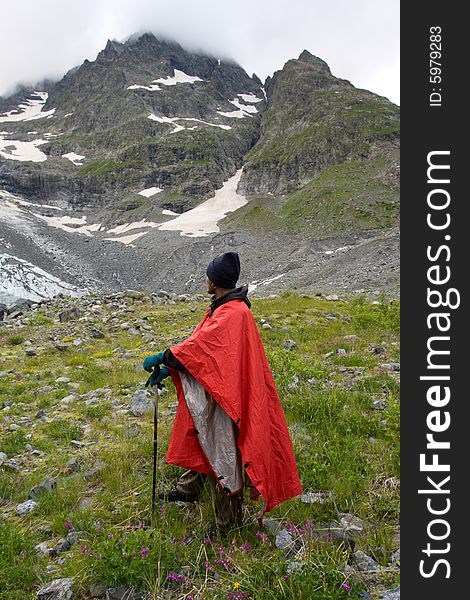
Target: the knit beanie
(224, 270)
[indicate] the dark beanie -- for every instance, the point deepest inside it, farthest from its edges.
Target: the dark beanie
(224, 270)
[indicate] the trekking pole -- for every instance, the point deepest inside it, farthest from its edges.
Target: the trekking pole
(158, 387)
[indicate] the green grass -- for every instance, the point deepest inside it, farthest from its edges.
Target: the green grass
(343, 446)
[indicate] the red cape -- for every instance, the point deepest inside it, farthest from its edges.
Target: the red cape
(226, 356)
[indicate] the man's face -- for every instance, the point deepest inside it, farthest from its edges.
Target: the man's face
(210, 286)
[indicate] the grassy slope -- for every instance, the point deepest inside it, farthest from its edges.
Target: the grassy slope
(342, 444)
(350, 197)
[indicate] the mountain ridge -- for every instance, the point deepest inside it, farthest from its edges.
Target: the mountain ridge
(149, 131)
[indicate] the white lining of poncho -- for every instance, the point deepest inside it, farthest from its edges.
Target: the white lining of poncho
(216, 433)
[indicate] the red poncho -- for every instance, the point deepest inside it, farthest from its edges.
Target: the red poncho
(228, 391)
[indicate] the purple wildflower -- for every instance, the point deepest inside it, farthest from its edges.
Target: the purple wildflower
(84, 551)
(346, 587)
(110, 536)
(208, 566)
(144, 552)
(263, 537)
(68, 524)
(245, 547)
(225, 563)
(328, 536)
(178, 578)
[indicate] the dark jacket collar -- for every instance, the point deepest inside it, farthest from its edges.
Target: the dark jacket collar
(240, 293)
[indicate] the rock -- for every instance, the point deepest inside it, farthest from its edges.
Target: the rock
(30, 352)
(133, 331)
(62, 380)
(3, 458)
(133, 294)
(390, 367)
(378, 350)
(61, 346)
(266, 326)
(85, 503)
(341, 352)
(294, 567)
(391, 594)
(123, 592)
(73, 465)
(350, 338)
(289, 345)
(42, 550)
(77, 443)
(97, 334)
(98, 590)
(48, 485)
(283, 539)
(59, 589)
(272, 525)
(104, 363)
(312, 497)
(379, 405)
(25, 508)
(141, 403)
(365, 595)
(332, 297)
(62, 546)
(351, 523)
(362, 562)
(74, 537)
(395, 558)
(132, 431)
(70, 314)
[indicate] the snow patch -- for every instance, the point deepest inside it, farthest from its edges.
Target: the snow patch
(170, 213)
(75, 158)
(23, 280)
(65, 222)
(202, 220)
(129, 226)
(8, 196)
(172, 121)
(252, 286)
(178, 77)
(22, 151)
(250, 97)
(151, 191)
(127, 239)
(30, 110)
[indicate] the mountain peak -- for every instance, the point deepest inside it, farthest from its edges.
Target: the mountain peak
(308, 57)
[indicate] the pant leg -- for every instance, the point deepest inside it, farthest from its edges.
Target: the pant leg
(191, 483)
(228, 509)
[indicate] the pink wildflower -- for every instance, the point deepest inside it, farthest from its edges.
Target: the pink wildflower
(346, 587)
(144, 552)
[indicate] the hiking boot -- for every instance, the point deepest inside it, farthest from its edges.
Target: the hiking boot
(175, 496)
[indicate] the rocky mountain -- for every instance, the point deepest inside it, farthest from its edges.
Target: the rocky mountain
(134, 169)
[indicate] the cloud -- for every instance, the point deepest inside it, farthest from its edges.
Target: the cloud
(359, 40)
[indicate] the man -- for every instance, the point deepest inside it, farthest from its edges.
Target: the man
(229, 416)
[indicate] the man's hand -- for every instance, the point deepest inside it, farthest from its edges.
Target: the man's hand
(152, 361)
(155, 380)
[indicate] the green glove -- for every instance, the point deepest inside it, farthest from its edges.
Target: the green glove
(152, 361)
(154, 380)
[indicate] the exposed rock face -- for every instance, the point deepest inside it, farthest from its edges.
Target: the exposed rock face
(320, 175)
(313, 120)
(102, 114)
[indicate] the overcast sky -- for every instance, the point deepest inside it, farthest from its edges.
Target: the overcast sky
(359, 39)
